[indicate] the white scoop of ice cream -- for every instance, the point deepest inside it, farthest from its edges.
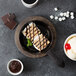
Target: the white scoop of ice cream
(72, 52)
(72, 43)
(71, 55)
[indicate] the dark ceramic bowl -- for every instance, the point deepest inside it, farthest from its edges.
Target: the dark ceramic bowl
(46, 28)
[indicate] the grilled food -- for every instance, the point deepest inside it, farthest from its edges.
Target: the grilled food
(40, 42)
(33, 33)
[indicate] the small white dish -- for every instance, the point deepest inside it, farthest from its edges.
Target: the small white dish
(64, 46)
(17, 72)
(29, 5)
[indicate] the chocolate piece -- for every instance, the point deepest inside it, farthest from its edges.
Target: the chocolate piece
(9, 20)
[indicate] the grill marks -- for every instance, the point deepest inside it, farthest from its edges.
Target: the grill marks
(41, 42)
(32, 32)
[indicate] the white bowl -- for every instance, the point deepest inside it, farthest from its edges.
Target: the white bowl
(29, 5)
(64, 46)
(17, 72)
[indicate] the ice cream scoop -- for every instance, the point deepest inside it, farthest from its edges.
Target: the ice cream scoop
(70, 47)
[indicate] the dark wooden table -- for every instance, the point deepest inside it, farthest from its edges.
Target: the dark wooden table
(41, 66)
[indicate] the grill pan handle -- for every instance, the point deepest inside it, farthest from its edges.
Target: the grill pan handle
(56, 59)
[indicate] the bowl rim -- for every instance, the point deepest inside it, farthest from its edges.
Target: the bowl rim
(29, 5)
(17, 32)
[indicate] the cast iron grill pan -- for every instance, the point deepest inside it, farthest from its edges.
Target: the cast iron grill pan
(44, 30)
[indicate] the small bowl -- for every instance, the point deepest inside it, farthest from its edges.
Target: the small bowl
(29, 5)
(64, 46)
(17, 72)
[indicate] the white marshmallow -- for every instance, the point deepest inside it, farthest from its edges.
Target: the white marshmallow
(68, 12)
(60, 19)
(72, 17)
(65, 14)
(56, 9)
(56, 17)
(61, 14)
(51, 16)
(72, 13)
(63, 18)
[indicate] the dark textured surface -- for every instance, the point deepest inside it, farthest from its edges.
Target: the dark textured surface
(42, 66)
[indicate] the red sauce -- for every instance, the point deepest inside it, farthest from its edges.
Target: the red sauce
(15, 66)
(67, 46)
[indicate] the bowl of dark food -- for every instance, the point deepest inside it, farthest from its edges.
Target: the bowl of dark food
(35, 37)
(15, 67)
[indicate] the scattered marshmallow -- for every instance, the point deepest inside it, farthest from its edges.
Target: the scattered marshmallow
(63, 18)
(68, 12)
(60, 19)
(61, 14)
(56, 9)
(72, 13)
(56, 17)
(51, 16)
(65, 14)
(72, 17)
